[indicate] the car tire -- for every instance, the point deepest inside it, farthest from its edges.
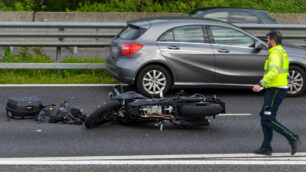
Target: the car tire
(152, 79)
(102, 114)
(296, 81)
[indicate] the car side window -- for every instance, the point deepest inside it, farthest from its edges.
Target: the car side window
(227, 36)
(243, 17)
(223, 16)
(168, 36)
(184, 34)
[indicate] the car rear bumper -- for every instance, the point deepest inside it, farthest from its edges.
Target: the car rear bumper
(121, 73)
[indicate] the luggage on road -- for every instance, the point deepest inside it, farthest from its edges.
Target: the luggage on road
(23, 107)
(31, 107)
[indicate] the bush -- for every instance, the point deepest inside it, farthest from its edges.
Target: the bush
(273, 6)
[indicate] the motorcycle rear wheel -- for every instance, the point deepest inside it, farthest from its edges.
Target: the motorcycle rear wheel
(210, 109)
(102, 114)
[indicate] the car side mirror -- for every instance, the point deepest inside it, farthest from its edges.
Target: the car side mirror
(259, 45)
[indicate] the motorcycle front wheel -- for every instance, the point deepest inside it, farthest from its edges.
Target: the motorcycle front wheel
(102, 114)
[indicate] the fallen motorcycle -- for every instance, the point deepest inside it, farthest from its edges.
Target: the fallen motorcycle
(131, 107)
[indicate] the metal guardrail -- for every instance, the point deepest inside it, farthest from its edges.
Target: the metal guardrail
(294, 34)
(76, 34)
(57, 34)
(54, 34)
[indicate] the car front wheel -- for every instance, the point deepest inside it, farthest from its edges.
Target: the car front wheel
(296, 81)
(152, 80)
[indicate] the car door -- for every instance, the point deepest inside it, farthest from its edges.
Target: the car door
(237, 61)
(189, 53)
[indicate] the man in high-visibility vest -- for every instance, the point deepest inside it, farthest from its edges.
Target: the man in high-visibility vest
(275, 84)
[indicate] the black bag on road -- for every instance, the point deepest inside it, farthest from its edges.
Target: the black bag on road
(61, 113)
(22, 107)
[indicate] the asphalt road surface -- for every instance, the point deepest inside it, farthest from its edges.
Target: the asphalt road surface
(226, 145)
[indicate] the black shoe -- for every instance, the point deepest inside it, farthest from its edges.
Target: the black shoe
(294, 146)
(263, 151)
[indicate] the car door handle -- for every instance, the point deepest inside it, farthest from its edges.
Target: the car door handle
(173, 47)
(222, 50)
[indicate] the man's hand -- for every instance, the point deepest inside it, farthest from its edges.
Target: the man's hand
(256, 88)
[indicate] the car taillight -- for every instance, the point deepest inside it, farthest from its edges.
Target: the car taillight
(130, 48)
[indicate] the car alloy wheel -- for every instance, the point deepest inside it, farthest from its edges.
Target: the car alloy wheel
(152, 80)
(296, 81)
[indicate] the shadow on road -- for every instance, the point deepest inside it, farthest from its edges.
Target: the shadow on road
(211, 91)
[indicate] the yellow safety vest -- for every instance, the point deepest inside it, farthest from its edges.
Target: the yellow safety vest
(276, 68)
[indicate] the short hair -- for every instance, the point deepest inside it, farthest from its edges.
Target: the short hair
(276, 36)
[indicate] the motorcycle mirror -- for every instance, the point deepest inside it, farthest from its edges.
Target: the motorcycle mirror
(110, 94)
(116, 91)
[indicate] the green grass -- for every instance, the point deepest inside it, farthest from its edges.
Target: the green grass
(50, 76)
(26, 76)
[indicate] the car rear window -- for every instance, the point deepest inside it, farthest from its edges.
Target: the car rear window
(131, 32)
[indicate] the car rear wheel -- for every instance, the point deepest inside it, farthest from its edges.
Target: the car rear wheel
(152, 80)
(296, 81)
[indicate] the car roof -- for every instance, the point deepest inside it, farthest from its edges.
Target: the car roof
(230, 9)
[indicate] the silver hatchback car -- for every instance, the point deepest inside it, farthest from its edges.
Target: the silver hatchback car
(156, 54)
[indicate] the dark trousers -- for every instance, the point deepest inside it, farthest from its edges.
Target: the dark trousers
(272, 100)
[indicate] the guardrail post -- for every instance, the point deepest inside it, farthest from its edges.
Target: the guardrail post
(11, 49)
(58, 55)
(75, 51)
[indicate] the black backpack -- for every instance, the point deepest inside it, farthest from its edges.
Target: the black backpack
(61, 113)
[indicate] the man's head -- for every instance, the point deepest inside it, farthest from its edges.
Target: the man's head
(274, 38)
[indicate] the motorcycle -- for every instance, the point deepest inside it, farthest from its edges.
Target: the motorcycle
(131, 107)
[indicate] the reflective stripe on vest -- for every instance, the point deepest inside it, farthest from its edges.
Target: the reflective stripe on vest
(281, 70)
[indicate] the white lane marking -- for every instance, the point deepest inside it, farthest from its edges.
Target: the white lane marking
(60, 85)
(152, 157)
(235, 114)
(153, 162)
